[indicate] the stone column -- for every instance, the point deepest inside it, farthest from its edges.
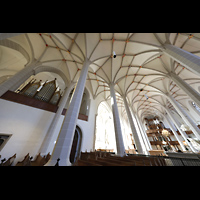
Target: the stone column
(48, 141)
(183, 134)
(117, 125)
(193, 94)
(145, 134)
(135, 134)
(185, 117)
(63, 145)
(20, 77)
(185, 58)
(175, 134)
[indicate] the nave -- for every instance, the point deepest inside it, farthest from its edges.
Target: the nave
(145, 81)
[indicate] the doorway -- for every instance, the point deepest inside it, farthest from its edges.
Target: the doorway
(76, 145)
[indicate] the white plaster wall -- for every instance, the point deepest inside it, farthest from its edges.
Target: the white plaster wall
(28, 127)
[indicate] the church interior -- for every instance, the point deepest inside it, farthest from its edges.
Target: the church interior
(100, 99)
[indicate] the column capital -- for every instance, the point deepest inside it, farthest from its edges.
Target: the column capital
(111, 84)
(87, 61)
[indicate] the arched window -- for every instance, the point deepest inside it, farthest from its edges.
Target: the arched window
(105, 134)
(85, 103)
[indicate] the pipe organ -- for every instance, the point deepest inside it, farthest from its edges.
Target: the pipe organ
(44, 92)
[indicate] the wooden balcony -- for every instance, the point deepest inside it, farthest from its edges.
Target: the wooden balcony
(35, 103)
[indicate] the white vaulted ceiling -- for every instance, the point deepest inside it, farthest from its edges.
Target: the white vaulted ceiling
(139, 64)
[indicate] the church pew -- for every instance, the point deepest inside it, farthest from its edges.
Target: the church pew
(39, 161)
(106, 159)
(136, 159)
(115, 159)
(25, 162)
(162, 161)
(83, 156)
(86, 155)
(85, 163)
(126, 159)
(148, 161)
(155, 160)
(119, 162)
(9, 161)
(94, 155)
(143, 160)
(103, 162)
(47, 158)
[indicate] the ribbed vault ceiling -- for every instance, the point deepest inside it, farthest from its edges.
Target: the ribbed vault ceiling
(140, 67)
